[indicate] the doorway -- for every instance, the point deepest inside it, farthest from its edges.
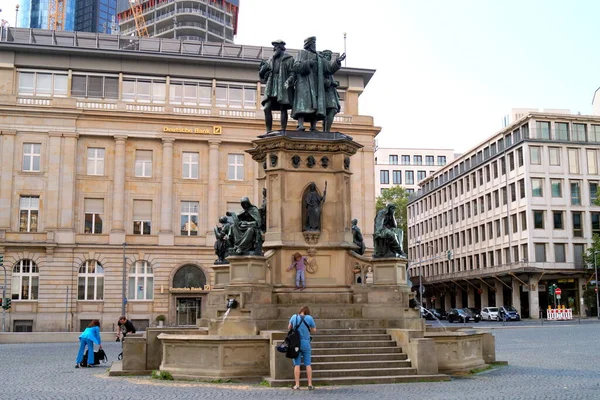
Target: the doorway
(189, 310)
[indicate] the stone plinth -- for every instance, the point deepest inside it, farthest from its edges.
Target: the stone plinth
(389, 271)
(459, 350)
(214, 357)
(247, 270)
(221, 275)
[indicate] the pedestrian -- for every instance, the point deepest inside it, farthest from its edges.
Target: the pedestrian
(88, 337)
(124, 326)
(304, 324)
(299, 263)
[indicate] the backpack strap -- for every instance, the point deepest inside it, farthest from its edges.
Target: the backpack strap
(301, 322)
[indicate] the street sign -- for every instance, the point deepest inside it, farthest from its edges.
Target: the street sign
(557, 291)
(422, 289)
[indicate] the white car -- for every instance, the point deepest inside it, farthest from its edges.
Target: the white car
(489, 313)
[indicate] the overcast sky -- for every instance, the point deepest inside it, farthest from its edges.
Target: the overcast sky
(447, 71)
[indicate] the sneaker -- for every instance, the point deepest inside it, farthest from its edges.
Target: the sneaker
(297, 288)
(295, 387)
(76, 365)
(310, 387)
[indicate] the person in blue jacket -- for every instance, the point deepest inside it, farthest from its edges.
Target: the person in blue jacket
(306, 325)
(88, 337)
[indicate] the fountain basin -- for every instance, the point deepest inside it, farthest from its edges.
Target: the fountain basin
(242, 358)
(462, 350)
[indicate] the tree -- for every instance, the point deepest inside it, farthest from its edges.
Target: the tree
(594, 248)
(398, 196)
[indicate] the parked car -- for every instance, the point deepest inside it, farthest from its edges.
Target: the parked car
(475, 313)
(433, 313)
(489, 313)
(459, 315)
(508, 313)
(441, 314)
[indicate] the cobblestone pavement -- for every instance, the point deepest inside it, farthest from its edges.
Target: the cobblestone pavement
(557, 362)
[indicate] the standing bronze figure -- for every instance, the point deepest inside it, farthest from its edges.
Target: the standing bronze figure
(312, 204)
(277, 75)
(332, 98)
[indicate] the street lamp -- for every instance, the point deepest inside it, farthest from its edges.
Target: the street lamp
(596, 273)
(16, 15)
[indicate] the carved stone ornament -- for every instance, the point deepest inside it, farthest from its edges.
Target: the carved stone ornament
(324, 161)
(273, 158)
(296, 161)
(264, 165)
(263, 147)
(311, 265)
(311, 237)
(310, 162)
(346, 162)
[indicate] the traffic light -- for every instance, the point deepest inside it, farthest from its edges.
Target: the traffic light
(449, 254)
(6, 303)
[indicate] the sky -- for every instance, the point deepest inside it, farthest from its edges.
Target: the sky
(446, 71)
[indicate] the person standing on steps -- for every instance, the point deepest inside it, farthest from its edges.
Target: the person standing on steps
(89, 337)
(299, 263)
(305, 324)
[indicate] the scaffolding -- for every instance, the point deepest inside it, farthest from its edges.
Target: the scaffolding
(56, 15)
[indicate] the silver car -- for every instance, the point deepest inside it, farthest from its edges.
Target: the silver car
(489, 313)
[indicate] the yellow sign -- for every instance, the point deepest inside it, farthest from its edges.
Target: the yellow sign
(216, 130)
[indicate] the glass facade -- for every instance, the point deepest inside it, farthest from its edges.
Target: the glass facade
(82, 15)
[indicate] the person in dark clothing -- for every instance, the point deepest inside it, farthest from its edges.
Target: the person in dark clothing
(124, 327)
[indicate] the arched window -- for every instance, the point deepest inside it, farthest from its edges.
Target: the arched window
(91, 281)
(189, 276)
(141, 281)
(25, 280)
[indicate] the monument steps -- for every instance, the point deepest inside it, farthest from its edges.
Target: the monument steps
(333, 323)
(357, 356)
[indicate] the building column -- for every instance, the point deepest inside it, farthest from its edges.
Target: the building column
(213, 189)
(165, 235)
(534, 297)
(117, 233)
(484, 295)
(499, 294)
(447, 302)
(470, 296)
(516, 295)
(459, 302)
(51, 208)
(68, 179)
(7, 143)
(581, 285)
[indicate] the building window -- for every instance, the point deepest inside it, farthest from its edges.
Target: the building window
(562, 130)
(513, 192)
(522, 188)
(536, 155)
(144, 90)
(554, 155)
(235, 167)
(393, 159)
(537, 187)
(575, 193)
(95, 87)
(421, 175)
(595, 217)
(410, 177)
(543, 130)
(190, 165)
(143, 163)
(418, 160)
(511, 161)
(558, 219)
(559, 252)
(235, 96)
(578, 255)
(141, 281)
(94, 209)
(405, 160)
(577, 228)
(513, 222)
(592, 161)
(523, 220)
(556, 186)
(538, 219)
(25, 281)
(540, 252)
(95, 161)
(595, 133)
(142, 217)
(32, 153)
(429, 160)
(410, 191)
(29, 213)
(520, 157)
(190, 93)
(384, 176)
(90, 281)
(593, 193)
(579, 132)
(397, 177)
(189, 218)
(441, 160)
(573, 161)
(42, 84)
(496, 199)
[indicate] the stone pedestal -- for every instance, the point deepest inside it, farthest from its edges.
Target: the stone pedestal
(247, 270)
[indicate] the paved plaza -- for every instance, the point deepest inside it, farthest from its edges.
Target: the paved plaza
(550, 362)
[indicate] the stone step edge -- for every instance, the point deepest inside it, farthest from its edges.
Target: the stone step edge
(360, 380)
(351, 349)
(353, 363)
(359, 355)
(350, 370)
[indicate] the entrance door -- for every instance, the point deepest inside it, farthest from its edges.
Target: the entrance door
(188, 311)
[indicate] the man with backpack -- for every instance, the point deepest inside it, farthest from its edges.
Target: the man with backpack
(124, 327)
(304, 324)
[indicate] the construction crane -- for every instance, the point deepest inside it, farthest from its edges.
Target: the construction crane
(138, 17)
(56, 15)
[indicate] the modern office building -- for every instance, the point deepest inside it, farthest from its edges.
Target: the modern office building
(407, 167)
(117, 163)
(516, 213)
(34, 14)
(80, 15)
(204, 20)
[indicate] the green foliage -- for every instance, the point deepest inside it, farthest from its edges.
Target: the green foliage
(162, 375)
(221, 381)
(589, 297)
(595, 247)
(398, 196)
(161, 318)
(264, 383)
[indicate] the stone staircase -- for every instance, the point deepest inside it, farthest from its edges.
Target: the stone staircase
(358, 356)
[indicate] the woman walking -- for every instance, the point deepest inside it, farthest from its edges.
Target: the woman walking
(90, 335)
(304, 324)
